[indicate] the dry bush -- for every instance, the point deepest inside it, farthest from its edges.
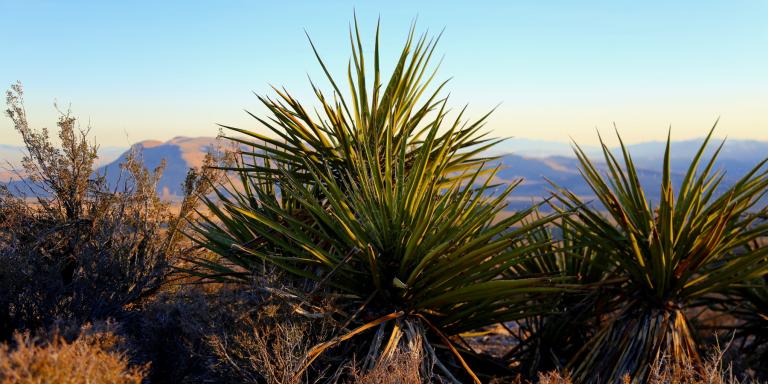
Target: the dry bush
(74, 249)
(262, 353)
(169, 332)
(82, 361)
(86, 251)
(266, 342)
(220, 334)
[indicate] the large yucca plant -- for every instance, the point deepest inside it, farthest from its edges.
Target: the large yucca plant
(385, 207)
(688, 245)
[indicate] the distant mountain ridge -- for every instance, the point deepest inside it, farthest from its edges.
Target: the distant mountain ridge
(11, 156)
(180, 154)
(736, 158)
(535, 161)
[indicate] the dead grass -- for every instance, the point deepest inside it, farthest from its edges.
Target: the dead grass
(61, 362)
(554, 378)
(713, 371)
(402, 368)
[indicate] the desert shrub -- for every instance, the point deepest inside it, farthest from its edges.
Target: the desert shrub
(86, 360)
(74, 249)
(169, 333)
(383, 202)
(269, 345)
(668, 256)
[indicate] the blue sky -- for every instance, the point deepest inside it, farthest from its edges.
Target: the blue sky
(158, 69)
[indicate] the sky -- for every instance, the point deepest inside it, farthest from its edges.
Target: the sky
(557, 70)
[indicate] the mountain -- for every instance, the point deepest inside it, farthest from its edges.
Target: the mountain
(534, 161)
(563, 171)
(11, 156)
(180, 154)
(11, 153)
(538, 148)
(736, 158)
(649, 152)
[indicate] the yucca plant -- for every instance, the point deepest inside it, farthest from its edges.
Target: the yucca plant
(671, 253)
(745, 308)
(548, 340)
(749, 305)
(386, 208)
(398, 113)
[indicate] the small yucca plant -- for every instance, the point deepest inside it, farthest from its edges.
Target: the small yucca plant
(747, 304)
(386, 207)
(670, 254)
(548, 340)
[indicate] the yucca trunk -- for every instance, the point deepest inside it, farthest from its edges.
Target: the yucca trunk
(637, 339)
(399, 344)
(402, 344)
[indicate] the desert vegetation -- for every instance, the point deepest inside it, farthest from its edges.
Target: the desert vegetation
(357, 238)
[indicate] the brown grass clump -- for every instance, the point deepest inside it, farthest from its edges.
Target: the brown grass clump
(554, 378)
(713, 371)
(62, 362)
(401, 368)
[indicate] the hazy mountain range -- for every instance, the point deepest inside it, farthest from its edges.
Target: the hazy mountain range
(11, 156)
(532, 160)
